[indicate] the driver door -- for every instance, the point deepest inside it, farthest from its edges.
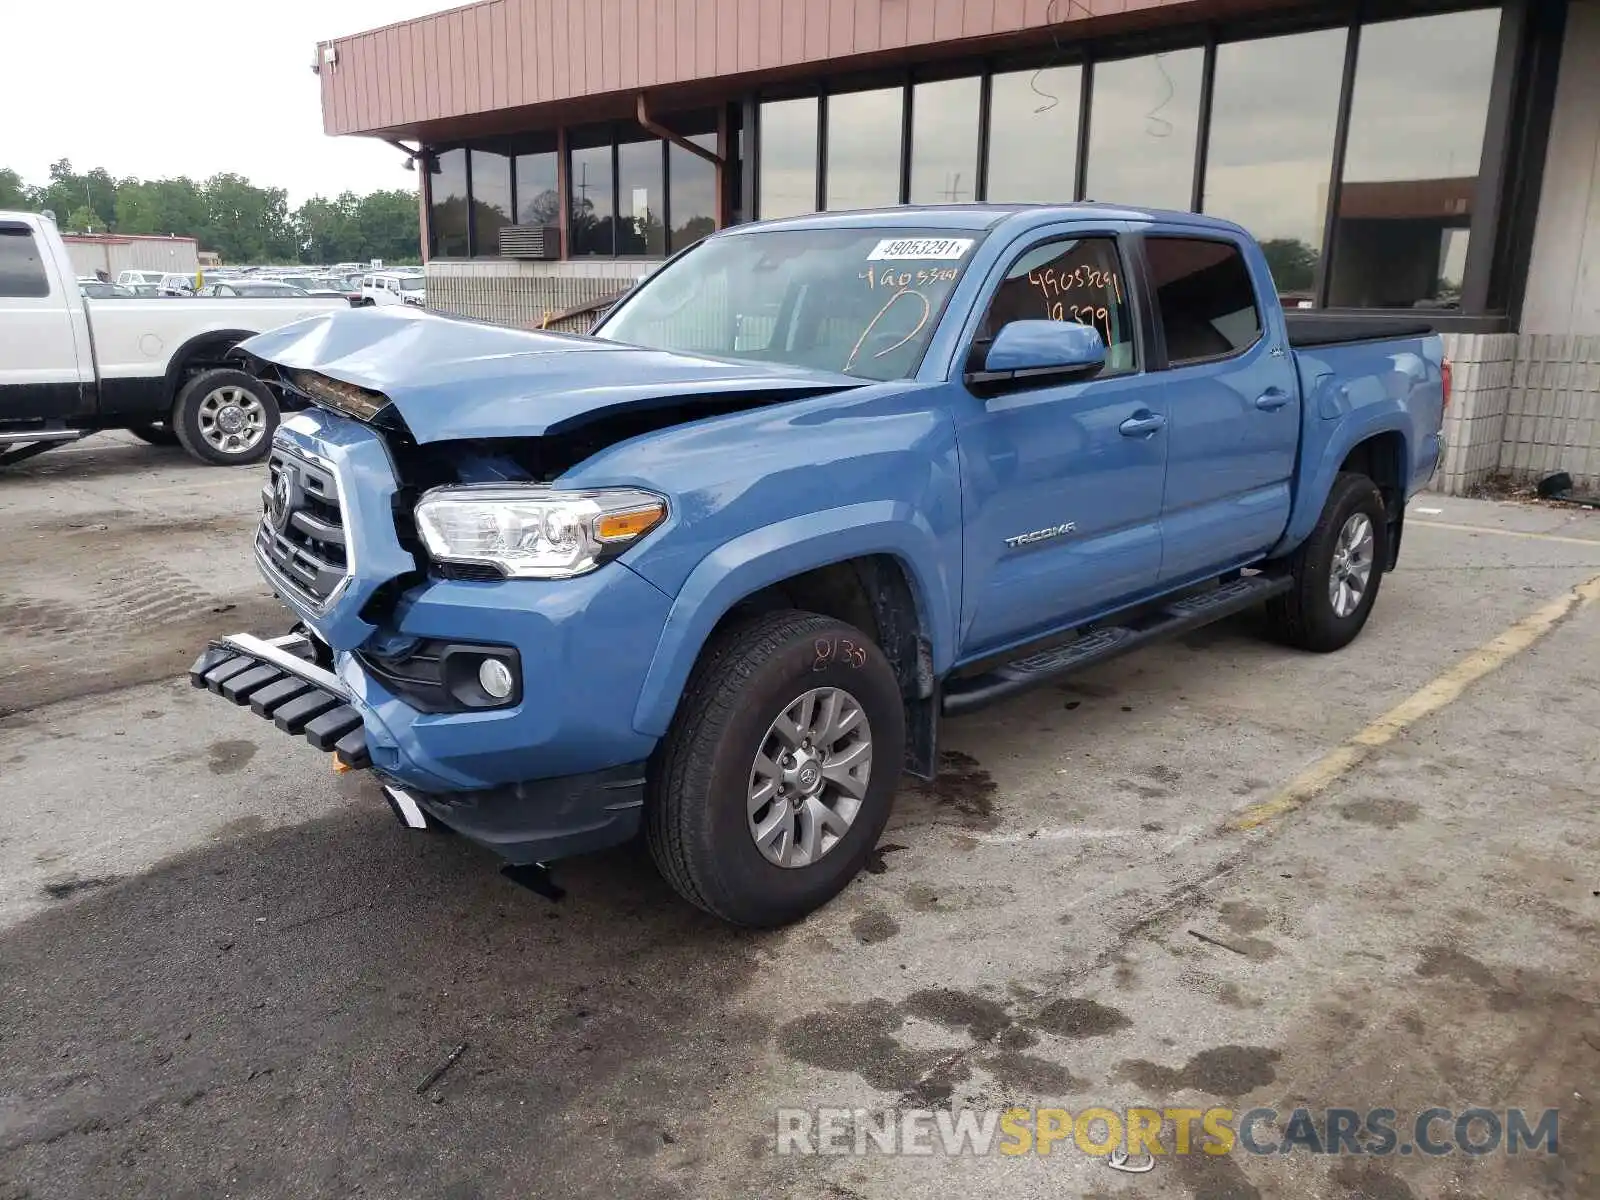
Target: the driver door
(1062, 480)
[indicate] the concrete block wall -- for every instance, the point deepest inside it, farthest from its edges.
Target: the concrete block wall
(1480, 396)
(1553, 417)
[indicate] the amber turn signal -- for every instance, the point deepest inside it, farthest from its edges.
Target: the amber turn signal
(625, 526)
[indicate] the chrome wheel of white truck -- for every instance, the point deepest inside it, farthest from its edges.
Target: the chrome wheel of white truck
(776, 778)
(225, 416)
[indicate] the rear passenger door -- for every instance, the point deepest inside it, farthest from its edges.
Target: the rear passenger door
(1232, 400)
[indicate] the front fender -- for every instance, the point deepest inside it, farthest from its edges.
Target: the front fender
(772, 553)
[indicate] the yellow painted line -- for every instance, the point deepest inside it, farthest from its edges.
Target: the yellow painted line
(1521, 533)
(1443, 690)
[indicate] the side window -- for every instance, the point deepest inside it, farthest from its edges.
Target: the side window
(1204, 296)
(1068, 279)
(21, 268)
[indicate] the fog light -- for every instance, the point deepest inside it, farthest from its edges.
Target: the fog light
(495, 678)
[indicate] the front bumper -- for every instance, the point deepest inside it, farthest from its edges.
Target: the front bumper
(280, 680)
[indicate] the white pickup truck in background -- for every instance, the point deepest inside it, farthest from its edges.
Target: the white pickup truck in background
(71, 366)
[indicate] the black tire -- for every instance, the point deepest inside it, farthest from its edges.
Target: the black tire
(156, 435)
(696, 821)
(1305, 616)
(186, 416)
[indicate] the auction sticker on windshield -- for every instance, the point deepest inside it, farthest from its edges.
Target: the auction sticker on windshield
(897, 249)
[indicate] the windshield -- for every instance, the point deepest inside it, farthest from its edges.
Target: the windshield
(411, 283)
(859, 301)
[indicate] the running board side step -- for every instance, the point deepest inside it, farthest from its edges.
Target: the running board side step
(18, 437)
(964, 695)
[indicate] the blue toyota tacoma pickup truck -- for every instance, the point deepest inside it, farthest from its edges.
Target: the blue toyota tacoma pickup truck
(716, 571)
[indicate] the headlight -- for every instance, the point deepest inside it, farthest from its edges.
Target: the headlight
(533, 532)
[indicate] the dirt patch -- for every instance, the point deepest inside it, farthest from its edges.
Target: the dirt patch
(230, 755)
(978, 1015)
(874, 926)
(64, 888)
(1030, 1074)
(1075, 1018)
(1384, 812)
(963, 788)
(1227, 1071)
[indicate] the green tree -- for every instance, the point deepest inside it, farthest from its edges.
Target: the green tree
(13, 194)
(162, 206)
(1293, 263)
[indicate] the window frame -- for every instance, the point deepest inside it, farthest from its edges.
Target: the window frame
(1161, 361)
(1124, 245)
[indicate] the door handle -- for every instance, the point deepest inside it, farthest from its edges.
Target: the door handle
(1272, 399)
(1142, 424)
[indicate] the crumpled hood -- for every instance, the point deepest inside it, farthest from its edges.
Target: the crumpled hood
(451, 378)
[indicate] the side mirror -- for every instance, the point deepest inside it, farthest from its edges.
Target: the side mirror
(1027, 352)
(1046, 346)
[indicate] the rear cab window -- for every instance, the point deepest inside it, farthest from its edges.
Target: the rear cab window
(1204, 298)
(22, 272)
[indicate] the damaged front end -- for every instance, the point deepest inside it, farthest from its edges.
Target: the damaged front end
(486, 674)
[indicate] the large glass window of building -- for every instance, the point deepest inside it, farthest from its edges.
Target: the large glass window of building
(864, 148)
(447, 216)
(491, 200)
(787, 180)
(1142, 125)
(641, 218)
(1411, 163)
(1274, 108)
(538, 189)
(1033, 135)
(944, 141)
(589, 225)
(692, 183)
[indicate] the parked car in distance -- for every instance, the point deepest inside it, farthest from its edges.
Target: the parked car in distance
(715, 572)
(254, 288)
(99, 289)
(395, 288)
(71, 364)
(313, 285)
(136, 276)
(175, 283)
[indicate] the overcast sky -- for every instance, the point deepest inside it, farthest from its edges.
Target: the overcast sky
(188, 87)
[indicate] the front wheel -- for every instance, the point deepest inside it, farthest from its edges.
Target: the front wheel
(225, 417)
(776, 778)
(1336, 570)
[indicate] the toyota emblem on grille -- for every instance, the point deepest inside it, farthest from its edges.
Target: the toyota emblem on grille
(278, 502)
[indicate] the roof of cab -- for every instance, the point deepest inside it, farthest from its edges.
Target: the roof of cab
(974, 217)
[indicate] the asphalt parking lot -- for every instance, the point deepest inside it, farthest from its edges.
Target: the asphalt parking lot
(1215, 873)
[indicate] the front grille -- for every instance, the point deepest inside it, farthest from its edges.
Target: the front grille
(302, 534)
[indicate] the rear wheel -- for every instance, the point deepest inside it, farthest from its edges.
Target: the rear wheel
(225, 417)
(1336, 570)
(777, 777)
